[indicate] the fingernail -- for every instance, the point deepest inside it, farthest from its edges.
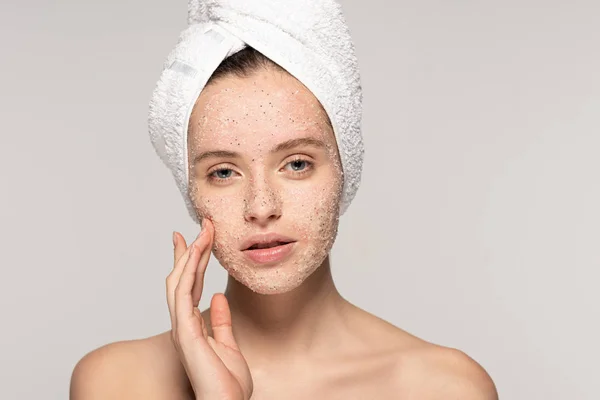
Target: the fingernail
(174, 239)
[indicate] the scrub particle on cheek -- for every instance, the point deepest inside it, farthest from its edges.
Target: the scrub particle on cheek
(314, 232)
(307, 210)
(308, 215)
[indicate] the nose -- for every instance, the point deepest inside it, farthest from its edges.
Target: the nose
(262, 203)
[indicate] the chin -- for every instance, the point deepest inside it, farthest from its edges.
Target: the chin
(279, 278)
(271, 288)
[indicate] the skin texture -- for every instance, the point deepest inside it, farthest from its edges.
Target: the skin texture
(300, 338)
(294, 191)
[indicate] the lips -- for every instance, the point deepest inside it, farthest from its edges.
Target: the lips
(265, 240)
(268, 248)
(266, 245)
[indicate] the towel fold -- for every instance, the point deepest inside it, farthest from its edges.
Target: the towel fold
(308, 38)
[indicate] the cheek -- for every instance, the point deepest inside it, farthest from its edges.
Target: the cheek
(225, 212)
(213, 206)
(313, 212)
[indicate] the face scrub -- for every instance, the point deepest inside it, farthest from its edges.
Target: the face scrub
(294, 192)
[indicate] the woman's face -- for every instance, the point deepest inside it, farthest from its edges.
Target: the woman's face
(264, 160)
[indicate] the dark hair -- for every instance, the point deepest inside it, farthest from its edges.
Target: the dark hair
(243, 63)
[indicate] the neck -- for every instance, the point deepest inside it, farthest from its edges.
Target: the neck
(295, 323)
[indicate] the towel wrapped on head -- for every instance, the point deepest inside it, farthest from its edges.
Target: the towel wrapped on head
(308, 38)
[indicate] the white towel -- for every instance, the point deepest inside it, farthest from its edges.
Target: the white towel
(309, 38)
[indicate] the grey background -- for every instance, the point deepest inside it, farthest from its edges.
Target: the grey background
(476, 226)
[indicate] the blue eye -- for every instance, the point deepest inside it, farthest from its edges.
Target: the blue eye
(223, 173)
(298, 165)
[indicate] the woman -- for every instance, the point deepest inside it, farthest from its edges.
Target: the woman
(266, 181)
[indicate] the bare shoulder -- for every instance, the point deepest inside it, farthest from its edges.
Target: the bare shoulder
(435, 372)
(147, 368)
(418, 369)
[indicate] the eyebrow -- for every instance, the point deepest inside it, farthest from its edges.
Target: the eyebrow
(287, 145)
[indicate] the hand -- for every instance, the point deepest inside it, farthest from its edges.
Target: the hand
(215, 366)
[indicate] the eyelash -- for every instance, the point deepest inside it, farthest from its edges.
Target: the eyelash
(309, 167)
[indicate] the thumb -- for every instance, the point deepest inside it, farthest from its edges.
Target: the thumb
(220, 319)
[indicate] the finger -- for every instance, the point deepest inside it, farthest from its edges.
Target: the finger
(203, 263)
(220, 319)
(179, 246)
(198, 315)
(200, 360)
(197, 353)
(184, 307)
(175, 275)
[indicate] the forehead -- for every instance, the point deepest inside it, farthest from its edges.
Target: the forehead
(268, 105)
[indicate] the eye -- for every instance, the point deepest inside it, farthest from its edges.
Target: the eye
(299, 166)
(221, 175)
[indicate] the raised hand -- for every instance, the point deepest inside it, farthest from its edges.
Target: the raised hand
(215, 366)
